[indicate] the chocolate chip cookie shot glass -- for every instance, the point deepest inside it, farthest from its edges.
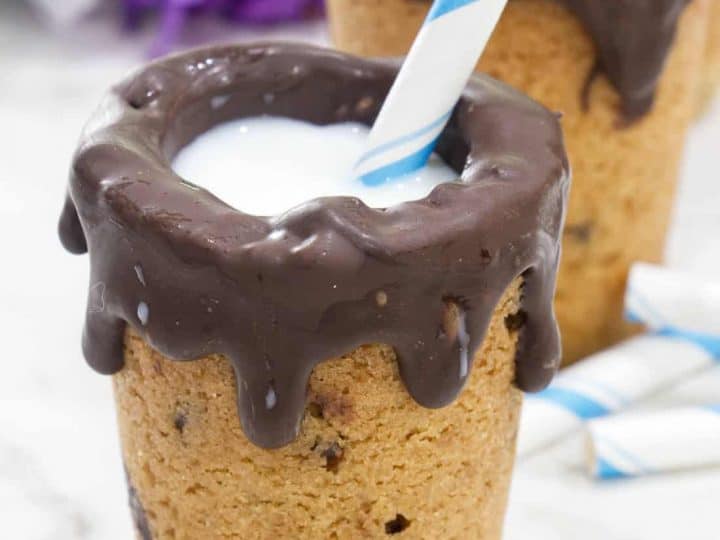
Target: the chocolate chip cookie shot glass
(624, 75)
(359, 373)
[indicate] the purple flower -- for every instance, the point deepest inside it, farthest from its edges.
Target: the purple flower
(174, 14)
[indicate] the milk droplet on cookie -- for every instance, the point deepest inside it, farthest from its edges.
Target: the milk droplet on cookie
(143, 313)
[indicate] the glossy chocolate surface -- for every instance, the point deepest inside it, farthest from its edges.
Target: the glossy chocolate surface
(633, 39)
(278, 295)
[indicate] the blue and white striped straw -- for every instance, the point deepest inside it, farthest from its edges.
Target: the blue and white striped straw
(427, 88)
(606, 383)
(637, 444)
(667, 302)
(682, 314)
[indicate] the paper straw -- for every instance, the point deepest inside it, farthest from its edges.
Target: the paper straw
(684, 314)
(427, 88)
(636, 444)
(675, 303)
(605, 383)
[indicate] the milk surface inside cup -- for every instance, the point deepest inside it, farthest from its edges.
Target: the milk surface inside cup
(268, 165)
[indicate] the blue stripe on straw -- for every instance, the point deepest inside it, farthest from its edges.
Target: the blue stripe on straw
(443, 7)
(605, 389)
(627, 456)
(646, 305)
(406, 165)
(578, 404)
(607, 470)
(706, 341)
(406, 138)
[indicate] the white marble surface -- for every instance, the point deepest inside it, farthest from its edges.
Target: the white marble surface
(60, 472)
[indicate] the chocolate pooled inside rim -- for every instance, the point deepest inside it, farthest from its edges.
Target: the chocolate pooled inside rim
(278, 295)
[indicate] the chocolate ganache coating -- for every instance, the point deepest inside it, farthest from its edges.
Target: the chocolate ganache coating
(277, 295)
(633, 38)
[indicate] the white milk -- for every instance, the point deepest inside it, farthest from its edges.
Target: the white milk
(267, 165)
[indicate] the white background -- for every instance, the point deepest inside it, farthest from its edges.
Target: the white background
(60, 472)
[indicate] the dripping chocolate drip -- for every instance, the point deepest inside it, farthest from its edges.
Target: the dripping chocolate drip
(278, 295)
(633, 39)
(71, 234)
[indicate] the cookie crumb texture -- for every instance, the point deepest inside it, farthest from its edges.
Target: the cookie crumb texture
(624, 177)
(369, 462)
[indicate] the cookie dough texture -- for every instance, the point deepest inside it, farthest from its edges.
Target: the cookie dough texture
(624, 176)
(369, 462)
